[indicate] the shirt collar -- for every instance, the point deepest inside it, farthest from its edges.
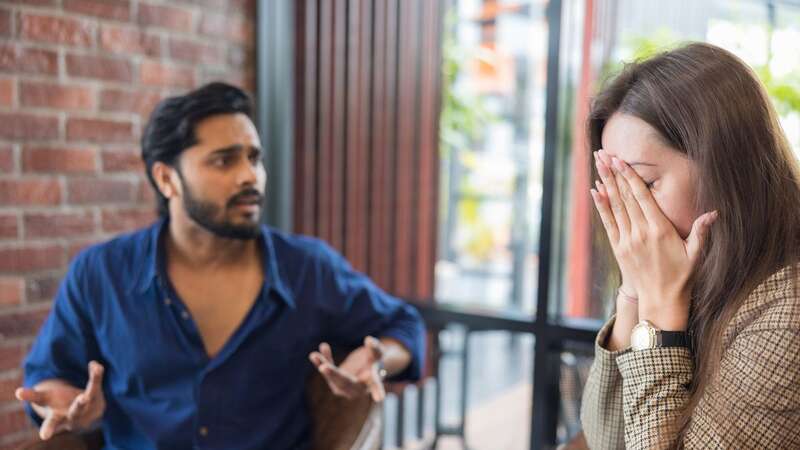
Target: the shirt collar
(152, 255)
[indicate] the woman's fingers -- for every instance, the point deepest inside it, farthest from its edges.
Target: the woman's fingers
(697, 237)
(612, 193)
(604, 210)
(635, 214)
(643, 196)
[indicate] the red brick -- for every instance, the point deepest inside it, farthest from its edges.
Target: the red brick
(158, 74)
(6, 159)
(244, 7)
(237, 29)
(28, 257)
(11, 356)
(122, 161)
(11, 289)
(107, 9)
(42, 288)
(21, 324)
(175, 18)
(76, 245)
(14, 420)
(9, 229)
(141, 102)
(121, 39)
(99, 67)
(26, 192)
(5, 23)
(127, 219)
(57, 96)
(145, 191)
(7, 388)
(99, 130)
(24, 60)
(7, 92)
(196, 52)
(56, 30)
(32, 2)
(58, 160)
(18, 126)
(51, 225)
(100, 190)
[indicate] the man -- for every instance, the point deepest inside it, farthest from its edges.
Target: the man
(201, 330)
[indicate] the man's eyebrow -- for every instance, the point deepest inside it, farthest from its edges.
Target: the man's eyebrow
(226, 150)
(233, 149)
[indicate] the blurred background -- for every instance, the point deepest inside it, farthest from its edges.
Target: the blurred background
(438, 144)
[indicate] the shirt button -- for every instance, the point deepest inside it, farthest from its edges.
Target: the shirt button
(185, 315)
(203, 431)
(167, 301)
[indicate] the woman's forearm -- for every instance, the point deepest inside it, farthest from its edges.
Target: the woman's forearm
(627, 317)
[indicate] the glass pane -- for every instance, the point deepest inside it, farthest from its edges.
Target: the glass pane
(576, 359)
(764, 36)
(492, 145)
(499, 369)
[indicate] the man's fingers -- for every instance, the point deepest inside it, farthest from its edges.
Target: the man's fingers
(341, 383)
(51, 425)
(31, 396)
(325, 349)
(316, 358)
(375, 386)
(375, 347)
(76, 408)
(95, 385)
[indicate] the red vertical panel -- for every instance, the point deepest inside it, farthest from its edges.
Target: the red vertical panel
(382, 210)
(325, 121)
(405, 155)
(578, 275)
(306, 118)
(360, 25)
(339, 111)
(378, 142)
(428, 157)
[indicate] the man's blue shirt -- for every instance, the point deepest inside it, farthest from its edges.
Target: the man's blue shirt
(116, 305)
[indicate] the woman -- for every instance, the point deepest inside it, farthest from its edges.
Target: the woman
(699, 195)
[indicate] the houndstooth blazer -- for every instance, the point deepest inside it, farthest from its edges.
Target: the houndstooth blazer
(632, 397)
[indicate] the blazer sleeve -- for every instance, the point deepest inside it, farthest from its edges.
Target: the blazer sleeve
(601, 406)
(754, 402)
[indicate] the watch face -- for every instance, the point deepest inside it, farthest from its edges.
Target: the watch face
(641, 337)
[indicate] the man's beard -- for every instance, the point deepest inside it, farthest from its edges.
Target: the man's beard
(203, 213)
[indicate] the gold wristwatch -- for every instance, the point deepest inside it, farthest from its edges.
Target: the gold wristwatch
(646, 336)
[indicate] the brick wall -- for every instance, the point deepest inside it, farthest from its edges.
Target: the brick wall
(78, 79)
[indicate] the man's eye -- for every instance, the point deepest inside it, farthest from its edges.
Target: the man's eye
(221, 161)
(650, 184)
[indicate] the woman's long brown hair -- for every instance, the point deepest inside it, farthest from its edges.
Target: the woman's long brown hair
(709, 105)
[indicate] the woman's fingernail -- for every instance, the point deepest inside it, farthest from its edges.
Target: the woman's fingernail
(617, 164)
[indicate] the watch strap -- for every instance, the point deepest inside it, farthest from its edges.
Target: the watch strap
(668, 339)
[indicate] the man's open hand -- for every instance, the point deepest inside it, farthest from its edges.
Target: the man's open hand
(64, 407)
(358, 374)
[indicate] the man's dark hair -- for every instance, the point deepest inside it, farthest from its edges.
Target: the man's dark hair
(171, 127)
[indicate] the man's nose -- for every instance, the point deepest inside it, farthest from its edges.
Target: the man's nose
(248, 174)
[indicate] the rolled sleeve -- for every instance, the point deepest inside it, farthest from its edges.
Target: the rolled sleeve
(357, 308)
(601, 406)
(66, 342)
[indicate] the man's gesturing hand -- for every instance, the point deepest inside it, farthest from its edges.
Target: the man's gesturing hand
(359, 374)
(65, 407)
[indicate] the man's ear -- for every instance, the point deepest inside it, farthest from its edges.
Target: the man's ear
(166, 178)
